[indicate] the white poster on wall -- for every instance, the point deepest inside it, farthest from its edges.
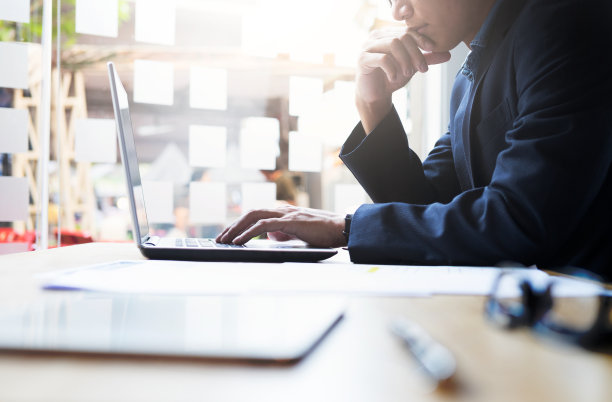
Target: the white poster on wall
(304, 94)
(15, 10)
(259, 137)
(159, 199)
(208, 88)
(258, 196)
(207, 203)
(15, 73)
(13, 131)
(15, 199)
(155, 21)
(348, 197)
(333, 118)
(153, 82)
(97, 17)
(305, 152)
(207, 146)
(95, 140)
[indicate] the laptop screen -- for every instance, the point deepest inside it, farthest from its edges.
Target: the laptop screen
(129, 156)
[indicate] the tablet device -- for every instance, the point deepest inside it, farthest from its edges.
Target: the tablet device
(254, 328)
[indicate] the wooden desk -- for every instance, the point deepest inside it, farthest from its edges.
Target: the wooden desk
(359, 361)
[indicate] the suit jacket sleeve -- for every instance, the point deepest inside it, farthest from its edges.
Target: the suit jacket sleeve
(554, 170)
(390, 171)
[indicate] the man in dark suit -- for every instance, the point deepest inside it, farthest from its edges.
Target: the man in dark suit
(524, 172)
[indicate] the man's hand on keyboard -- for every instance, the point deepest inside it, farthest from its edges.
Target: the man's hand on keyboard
(316, 227)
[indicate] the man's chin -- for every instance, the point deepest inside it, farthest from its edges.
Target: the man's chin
(446, 47)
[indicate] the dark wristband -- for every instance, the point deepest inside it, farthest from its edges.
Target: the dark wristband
(347, 226)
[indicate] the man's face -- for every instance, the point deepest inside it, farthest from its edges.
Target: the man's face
(442, 24)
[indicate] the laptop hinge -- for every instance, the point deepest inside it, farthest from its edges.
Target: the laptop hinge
(151, 240)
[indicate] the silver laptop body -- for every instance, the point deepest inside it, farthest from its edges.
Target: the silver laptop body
(199, 249)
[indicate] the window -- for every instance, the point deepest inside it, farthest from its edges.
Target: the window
(235, 105)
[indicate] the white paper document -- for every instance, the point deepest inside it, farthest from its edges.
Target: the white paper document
(184, 277)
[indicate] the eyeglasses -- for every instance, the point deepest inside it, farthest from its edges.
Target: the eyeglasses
(575, 311)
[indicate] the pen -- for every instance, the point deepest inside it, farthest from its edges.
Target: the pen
(434, 358)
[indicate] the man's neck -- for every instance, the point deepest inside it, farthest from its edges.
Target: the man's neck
(481, 12)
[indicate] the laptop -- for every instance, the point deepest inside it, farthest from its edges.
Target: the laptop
(195, 249)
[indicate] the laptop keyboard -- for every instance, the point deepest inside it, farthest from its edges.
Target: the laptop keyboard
(203, 243)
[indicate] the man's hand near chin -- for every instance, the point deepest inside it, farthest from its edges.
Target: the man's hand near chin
(390, 58)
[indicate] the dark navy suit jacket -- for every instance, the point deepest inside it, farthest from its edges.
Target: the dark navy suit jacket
(524, 173)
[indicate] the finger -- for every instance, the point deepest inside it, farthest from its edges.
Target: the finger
(220, 235)
(224, 235)
(371, 61)
(408, 56)
(405, 51)
(244, 222)
(248, 219)
(437, 57)
(259, 228)
(236, 228)
(416, 56)
(422, 41)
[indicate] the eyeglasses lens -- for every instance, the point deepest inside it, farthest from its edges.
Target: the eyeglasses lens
(575, 313)
(520, 301)
(506, 307)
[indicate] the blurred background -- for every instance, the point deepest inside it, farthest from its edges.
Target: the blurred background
(236, 105)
